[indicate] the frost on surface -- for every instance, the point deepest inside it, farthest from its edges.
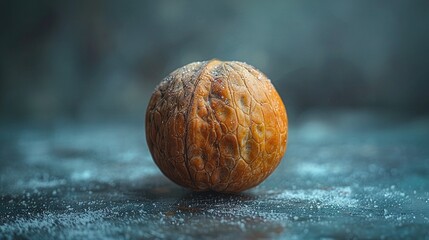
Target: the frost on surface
(99, 182)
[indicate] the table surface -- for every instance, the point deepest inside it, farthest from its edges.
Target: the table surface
(345, 175)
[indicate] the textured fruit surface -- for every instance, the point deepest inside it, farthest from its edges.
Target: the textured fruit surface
(217, 126)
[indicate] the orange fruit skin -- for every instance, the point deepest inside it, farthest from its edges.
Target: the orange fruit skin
(217, 126)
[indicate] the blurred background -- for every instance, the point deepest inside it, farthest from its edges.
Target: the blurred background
(89, 60)
(76, 77)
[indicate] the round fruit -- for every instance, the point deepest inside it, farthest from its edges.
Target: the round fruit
(217, 126)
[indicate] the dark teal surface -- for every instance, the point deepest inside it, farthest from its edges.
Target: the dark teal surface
(345, 175)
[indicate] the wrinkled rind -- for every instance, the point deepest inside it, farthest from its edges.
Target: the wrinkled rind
(166, 118)
(216, 126)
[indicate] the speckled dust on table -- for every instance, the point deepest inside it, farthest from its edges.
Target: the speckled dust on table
(350, 175)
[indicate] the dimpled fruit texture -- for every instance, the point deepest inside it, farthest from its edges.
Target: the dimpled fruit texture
(217, 126)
